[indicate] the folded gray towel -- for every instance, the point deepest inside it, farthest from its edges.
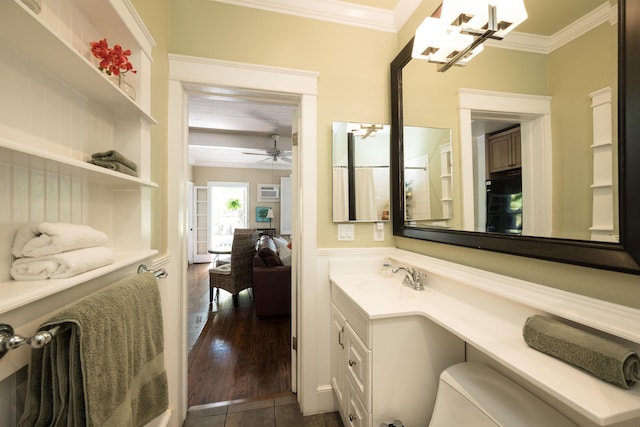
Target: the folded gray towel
(114, 156)
(116, 166)
(105, 365)
(606, 359)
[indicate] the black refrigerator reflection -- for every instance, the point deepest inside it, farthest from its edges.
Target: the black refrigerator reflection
(504, 204)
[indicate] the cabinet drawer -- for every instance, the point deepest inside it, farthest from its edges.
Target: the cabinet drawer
(358, 367)
(357, 415)
(358, 320)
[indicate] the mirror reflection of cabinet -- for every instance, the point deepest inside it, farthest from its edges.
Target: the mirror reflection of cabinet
(361, 184)
(503, 151)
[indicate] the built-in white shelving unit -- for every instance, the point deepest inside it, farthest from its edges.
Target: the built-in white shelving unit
(602, 228)
(58, 108)
(446, 176)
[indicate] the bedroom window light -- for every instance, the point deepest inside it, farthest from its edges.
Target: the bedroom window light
(228, 210)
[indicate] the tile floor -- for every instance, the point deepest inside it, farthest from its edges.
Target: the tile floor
(282, 411)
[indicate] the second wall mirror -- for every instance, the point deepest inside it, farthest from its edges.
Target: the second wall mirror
(360, 165)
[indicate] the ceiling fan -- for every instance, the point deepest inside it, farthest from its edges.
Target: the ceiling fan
(273, 153)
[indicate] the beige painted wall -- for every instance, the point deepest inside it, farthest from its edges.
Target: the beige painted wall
(353, 64)
(574, 76)
(201, 175)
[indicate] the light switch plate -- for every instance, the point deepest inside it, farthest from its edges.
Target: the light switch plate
(345, 232)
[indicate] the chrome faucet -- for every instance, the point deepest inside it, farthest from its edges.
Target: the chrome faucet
(412, 277)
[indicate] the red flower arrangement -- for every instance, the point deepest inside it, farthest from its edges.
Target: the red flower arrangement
(113, 60)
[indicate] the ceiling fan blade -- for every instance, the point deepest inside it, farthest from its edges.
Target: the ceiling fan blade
(257, 154)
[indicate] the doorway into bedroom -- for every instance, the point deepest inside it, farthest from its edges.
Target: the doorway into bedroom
(233, 354)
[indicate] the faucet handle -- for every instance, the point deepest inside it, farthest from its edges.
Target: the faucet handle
(418, 279)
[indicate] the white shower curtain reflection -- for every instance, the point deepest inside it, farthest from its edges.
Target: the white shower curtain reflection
(365, 195)
(340, 194)
(417, 174)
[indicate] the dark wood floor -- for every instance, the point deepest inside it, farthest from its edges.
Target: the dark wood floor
(237, 355)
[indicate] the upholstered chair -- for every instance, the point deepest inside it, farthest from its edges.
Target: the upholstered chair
(238, 274)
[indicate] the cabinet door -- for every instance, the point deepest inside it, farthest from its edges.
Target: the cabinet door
(503, 151)
(500, 157)
(516, 149)
(358, 366)
(338, 352)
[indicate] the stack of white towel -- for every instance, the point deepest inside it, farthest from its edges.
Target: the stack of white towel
(57, 251)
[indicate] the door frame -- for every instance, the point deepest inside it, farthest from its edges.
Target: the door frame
(189, 71)
(533, 112)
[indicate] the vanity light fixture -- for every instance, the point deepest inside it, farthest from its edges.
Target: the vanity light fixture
(457, 35)
(364, 130)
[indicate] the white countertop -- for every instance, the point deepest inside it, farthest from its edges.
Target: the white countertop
(493, 325)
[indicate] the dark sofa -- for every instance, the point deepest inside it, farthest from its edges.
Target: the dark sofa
(271, 280)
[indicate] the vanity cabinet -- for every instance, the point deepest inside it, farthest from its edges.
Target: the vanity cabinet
(58, 108)
(351, 371)
(386, 368)
(503, 151)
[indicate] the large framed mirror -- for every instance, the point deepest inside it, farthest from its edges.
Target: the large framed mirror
(559, 126)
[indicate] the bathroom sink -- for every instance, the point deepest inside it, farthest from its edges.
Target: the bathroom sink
(377, 294)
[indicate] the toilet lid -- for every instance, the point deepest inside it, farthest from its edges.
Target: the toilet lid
(505, 402)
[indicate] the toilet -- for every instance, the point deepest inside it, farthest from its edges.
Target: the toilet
(474, 395)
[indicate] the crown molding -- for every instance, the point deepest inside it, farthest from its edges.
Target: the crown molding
(346, 13)
(337, 11)
(547, 44)
(598, 16)
(403, 11)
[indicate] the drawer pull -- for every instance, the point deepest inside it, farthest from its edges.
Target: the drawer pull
(340, 338)
(352, 417)
(352, 363)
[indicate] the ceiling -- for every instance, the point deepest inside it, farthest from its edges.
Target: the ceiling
(227, 123)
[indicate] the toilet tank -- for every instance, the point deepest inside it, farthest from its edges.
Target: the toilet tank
(474, 395)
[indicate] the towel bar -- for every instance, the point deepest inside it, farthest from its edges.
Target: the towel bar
(160, 273)
(9, 340)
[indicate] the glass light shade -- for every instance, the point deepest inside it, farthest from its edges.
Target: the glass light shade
(477, 10)
(456, 42)
(512, 11)
(432, 33)
(270, 214)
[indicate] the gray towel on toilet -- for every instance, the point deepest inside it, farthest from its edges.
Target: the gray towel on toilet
(606, 359)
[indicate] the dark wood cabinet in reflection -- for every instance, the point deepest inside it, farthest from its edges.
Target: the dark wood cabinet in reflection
(503, 151)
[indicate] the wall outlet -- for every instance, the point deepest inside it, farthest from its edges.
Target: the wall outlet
(378, 232)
